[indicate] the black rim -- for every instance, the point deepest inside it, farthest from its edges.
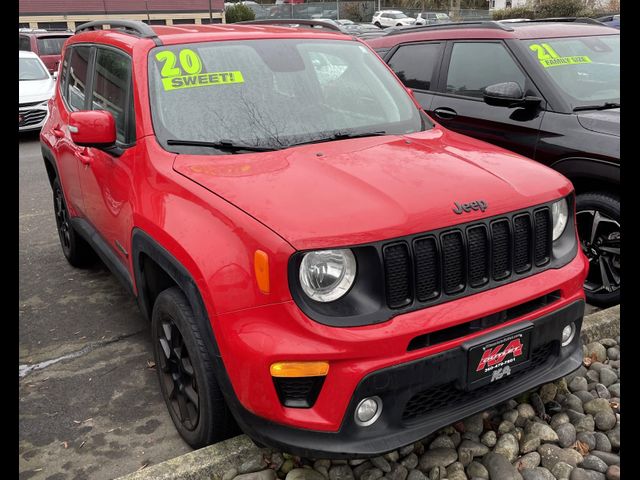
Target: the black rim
(178, 375)
(600, 241)
(62, 220)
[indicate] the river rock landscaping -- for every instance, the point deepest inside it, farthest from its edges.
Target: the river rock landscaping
(565, 430)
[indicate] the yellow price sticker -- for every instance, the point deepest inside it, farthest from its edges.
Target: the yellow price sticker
(202, 80)
(575, 60)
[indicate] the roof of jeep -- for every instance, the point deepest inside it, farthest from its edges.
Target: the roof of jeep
(492, 30)
(173, 34)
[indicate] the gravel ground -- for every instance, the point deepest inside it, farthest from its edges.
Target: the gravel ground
(568, 429)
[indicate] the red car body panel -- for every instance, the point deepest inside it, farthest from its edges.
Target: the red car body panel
(377, 184)
(383, 187)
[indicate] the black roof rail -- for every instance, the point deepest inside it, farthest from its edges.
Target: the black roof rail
(438, 26)
(132, 27)
(293, 22)
(569, 19)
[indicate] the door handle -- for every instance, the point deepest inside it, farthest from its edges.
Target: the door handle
(445, 113)
(84, 157)
(58, 133)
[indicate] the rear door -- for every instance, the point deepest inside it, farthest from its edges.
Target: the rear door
(468, 68)
(73, 96)
(417, 66)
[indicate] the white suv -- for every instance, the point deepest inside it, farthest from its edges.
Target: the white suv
(391, 18)
(432, 18)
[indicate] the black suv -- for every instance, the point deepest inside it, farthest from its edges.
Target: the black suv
(547, 90)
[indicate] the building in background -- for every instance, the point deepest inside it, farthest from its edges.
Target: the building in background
(67, 14)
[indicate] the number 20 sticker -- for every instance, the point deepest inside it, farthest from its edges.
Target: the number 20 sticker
(189, 73)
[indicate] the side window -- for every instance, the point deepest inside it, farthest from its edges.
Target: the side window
(64, 74)
(77, 81)
(111, 88)
(475, 66)
(414, 64)
(25, 43)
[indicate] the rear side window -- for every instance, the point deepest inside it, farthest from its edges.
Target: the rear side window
(50, 45)
(112, 87)
(25, 43)
(475, 66)
(415, 64)
(77, 83)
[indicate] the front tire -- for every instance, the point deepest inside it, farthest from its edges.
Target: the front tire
(598, 216)
(75, 248)
(185, 369)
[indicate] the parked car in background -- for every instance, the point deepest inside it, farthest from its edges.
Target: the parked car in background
(432, 18)
(546, 90)
(391, 18)
(46, 44)
(611, 20)
(35, 88)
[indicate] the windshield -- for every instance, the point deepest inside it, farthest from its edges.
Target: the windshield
(274, 93)
(50, 45)
(32, 69)
(585, 69)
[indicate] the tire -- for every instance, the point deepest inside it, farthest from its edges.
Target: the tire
(173, 327)
(75, 248)
(377, 24)
(601, 245)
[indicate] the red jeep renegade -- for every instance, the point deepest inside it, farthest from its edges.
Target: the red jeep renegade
(320, 261)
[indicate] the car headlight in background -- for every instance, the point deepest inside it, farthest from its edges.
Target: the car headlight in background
(326, 275)
(560, 216)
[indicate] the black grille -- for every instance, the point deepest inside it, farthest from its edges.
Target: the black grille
(398, 274)
(298, 392)
(478, 256)
(427, 261)
(441, 397)
(522, 243)
(542, 243)
(468, 257)
(31, 117)
(453, 262)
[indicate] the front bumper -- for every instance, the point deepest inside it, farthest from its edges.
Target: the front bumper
(432, 388)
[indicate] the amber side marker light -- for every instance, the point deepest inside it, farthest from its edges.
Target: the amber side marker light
(261, 269)
(299, 369)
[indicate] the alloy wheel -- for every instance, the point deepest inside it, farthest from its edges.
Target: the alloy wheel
(178, 375)
(600, 241)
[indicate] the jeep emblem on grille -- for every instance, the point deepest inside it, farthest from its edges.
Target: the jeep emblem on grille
(467, 207)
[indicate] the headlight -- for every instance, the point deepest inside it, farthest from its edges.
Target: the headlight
(560, 215)
(326, 275)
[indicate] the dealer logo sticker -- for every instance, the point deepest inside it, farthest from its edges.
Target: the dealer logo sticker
(492, 357)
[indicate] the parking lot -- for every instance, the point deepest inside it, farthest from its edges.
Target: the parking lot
(90, 406)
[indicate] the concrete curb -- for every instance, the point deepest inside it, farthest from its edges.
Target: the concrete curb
(212, 462)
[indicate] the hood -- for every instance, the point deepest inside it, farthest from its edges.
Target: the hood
(35, 90)
(369, 189)
(601, 121)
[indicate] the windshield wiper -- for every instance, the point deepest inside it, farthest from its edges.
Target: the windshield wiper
(225, 145)
(603, 106)
(340, 136)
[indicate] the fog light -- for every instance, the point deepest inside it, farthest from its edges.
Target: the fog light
(368, 411)
(567, 334)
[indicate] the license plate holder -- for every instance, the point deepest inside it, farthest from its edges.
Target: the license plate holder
(497, 358)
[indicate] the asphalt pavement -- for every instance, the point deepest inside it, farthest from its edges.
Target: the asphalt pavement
(90, 406)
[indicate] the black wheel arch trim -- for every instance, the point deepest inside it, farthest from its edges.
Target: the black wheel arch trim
(588, 169)
(49, 159)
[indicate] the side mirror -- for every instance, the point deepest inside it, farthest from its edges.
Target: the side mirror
(55, 75)
(508, 94)
(93, 128)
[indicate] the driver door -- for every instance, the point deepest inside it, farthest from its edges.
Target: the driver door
(468, 68)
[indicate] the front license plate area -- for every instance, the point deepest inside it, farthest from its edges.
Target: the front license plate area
(497, 359)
